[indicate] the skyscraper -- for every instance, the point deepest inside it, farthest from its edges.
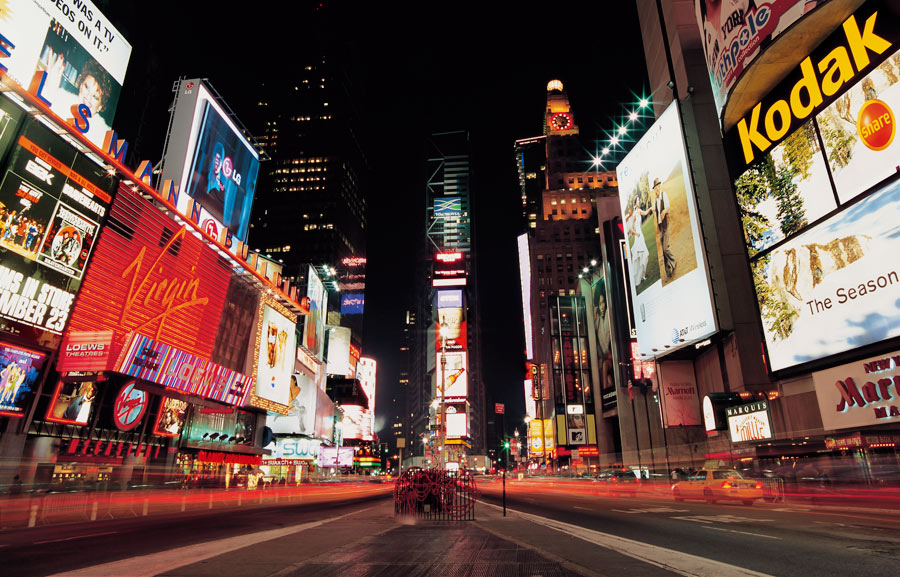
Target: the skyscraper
(559, 191)
(448, 297)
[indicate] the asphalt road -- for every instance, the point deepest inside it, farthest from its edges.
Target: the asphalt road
(54, 549)
(775, 539)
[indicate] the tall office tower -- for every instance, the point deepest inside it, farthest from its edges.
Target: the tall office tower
(449, 296)
(311, 206)
(531, 161)
(560, 237)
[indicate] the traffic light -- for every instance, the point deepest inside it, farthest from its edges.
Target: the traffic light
(506, 445)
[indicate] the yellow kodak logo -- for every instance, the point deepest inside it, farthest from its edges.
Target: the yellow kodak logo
(836, 69)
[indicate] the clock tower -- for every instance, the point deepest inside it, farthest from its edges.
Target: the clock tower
(558, 119)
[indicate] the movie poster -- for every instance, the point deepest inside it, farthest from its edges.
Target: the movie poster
(19, 372)
(72, 402)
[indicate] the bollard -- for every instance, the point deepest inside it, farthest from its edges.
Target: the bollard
(183, 501)
(210, 500)
(94, 511)
(239, 499)
(32, 519)
(146, 506)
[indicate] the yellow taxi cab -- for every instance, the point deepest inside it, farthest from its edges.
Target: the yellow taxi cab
(713, 485)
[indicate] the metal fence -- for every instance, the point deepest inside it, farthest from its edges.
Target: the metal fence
(773, 490)
(436, 495)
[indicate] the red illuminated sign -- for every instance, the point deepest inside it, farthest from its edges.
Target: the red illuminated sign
(85, 351)
(499, 408)
(130, 406)
(448, 256)
(149, 275)
(354, 261)
(110, 449)
(219, 457)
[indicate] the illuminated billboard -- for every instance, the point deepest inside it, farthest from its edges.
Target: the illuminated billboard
(525, 283)
(454, 378)
(680, 399)
(171, 416)
(353, 303)
(451, 325)
(214, 166)
(732, 34)
(603, 371)
(289, 450)
(314, 322)
(52, 201)
(816, 197)
(19, 371)
(540, 438)
(457, 423)
(72, 402)
(530, 402)
(335, 456)
(859, 394)
(339, 352)
(448, 207)
(80, 56)
(149, 275)
(750, 422)
(672, 298)
(300, 419)
(274, 358)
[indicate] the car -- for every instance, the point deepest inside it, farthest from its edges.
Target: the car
(713, 485)
(618, 481)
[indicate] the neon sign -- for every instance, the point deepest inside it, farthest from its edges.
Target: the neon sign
(130, 406)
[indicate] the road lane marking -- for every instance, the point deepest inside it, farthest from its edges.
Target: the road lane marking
(651, 510)
(156, 563)
(722, 519)
(73, 538)
(741, 532)
(583, 508)
(668, 559)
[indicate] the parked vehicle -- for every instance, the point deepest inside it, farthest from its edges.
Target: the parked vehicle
(713, 485)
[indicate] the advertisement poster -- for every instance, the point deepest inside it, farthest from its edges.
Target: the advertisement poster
(603, 372)
(19, 372)
(680, 399)
(859, 394)
(454, 377)
(339, 352)
(859, 131)
(300, 419)
(314, 322)
(666, 259)
(784, 192)
(51, 201)
(451, 325)
(457, 424)
(834, 287)
(734, 31)
(336, 456)
(83, 55)
(170, 420)
(276, 358)
(72, 402)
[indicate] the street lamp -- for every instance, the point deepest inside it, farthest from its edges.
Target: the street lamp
(443, 405)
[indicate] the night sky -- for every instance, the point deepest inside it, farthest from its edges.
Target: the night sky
(421, 68)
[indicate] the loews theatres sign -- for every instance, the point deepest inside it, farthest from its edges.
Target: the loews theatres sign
(862, 42)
